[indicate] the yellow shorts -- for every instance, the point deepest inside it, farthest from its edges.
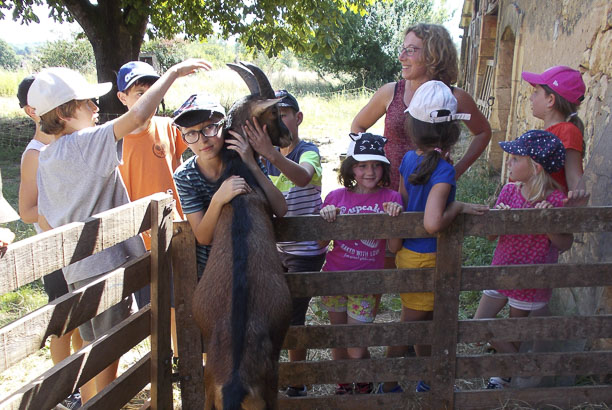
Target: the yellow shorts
(407, 259)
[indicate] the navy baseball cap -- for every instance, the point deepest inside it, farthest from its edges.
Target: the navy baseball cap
(130, 72)
(288, 100)
(22, 90)
(543, 147)
(198, 108)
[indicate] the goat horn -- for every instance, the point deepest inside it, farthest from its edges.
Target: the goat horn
(264, 83)
(247, 76)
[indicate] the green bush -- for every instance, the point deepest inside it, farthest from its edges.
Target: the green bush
(8, 58)
(74, 54)
(167, 52)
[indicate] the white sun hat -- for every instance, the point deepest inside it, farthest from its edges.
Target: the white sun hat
(55, 86)
(434, 102)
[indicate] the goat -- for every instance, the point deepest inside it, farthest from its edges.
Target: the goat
(242, 303)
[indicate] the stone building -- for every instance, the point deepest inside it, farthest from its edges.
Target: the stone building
(501, 39)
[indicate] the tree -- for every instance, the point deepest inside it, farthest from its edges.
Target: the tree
(115, 28)
(8, 57)
(77, 55)
(368, 48)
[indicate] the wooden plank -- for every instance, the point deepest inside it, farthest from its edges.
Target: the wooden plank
(121, 390)
(373, 334)
(336, 371)
(540, 328)
(353, 282)
(161, 347)
(32, 258)
(359, 226)
(553, 220)
(54, 385)
(534, 364)
(406, 400)
(447, 280)
(537, 398)
(536, 276)
(27, 335)
(191, 371)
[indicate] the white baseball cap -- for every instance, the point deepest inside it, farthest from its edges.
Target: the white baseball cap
(55, 86)
(434, 102)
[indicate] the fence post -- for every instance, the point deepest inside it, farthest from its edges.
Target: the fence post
(184, 268)
(161, 351)
(447, 281)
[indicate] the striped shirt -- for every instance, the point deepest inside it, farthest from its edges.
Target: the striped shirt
(195, 193)
(300, 200)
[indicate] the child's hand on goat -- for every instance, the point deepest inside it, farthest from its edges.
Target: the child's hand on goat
(392, 208)
(241, 145)
(259, 138)
(230, 188)
(329, 213)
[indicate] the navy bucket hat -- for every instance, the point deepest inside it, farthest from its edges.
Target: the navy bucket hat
(543, 147)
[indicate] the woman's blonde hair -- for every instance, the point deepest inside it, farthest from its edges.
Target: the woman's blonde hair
(439, 51)
(540, 184)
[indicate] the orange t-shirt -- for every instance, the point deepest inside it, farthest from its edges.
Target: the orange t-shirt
(149, 160)
(572, 138)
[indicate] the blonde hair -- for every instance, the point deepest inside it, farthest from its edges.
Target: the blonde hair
(540, 185)
(439, 51)
(51, 123)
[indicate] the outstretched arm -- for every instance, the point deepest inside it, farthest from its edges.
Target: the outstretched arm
(28, 190)
(438, 216)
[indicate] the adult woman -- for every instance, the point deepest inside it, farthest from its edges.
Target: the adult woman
(427, 53)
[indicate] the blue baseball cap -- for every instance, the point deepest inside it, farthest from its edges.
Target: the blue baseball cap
(196, 109)
(287, 100)
(543, 147)
(132, 71)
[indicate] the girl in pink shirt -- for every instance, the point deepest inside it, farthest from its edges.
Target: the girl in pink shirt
(365, 174)
(533, 157)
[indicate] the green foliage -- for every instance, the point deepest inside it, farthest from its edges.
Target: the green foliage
(75, 54)
(8, 57)
(167, 52)
(368, 44)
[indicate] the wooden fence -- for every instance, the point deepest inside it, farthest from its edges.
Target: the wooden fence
(444, 331)
(30, 259)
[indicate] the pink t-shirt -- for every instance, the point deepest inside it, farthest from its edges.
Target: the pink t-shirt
(364, 253)
(524, 249)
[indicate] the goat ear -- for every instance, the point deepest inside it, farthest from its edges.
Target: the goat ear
(262, 105)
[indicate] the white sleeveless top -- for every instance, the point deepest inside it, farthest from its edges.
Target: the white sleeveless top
(36, 146)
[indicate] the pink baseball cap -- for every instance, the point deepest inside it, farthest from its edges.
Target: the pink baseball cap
(565, 81)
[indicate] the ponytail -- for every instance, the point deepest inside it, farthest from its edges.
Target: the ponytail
(567, 109)
(433, 139)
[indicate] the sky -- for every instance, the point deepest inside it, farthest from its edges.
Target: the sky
(14, 33)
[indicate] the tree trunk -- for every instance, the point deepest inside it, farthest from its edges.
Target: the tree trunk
(116, 35)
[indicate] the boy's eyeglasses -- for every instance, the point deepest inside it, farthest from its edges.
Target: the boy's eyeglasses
(210, 130)
(408, 50)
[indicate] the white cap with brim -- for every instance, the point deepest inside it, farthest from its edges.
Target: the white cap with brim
(55, 86)
(7, 213)
(367, 147)
(434, 102)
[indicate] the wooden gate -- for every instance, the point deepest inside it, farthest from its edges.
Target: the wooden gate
(32, 258)
(447, 280)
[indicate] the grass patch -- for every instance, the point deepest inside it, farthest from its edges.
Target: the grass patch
(14, 305)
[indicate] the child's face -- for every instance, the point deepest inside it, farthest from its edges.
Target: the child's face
(367, 175)
(520, 168)
(86, 115)
(132, 95)
(540, 102)
(291, 119)
(206, 147)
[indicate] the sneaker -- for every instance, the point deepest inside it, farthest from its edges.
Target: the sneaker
(422, 387)
(498, 383)
(396, 389)
(344, 388)
(296, 391)
(73, 401)
(363, 388)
